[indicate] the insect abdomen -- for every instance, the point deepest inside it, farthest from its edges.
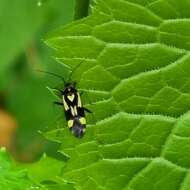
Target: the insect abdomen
(77, 125)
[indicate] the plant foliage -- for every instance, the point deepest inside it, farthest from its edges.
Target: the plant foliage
(136, 78)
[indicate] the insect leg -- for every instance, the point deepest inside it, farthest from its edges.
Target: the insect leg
(87, 110)
(58, 103)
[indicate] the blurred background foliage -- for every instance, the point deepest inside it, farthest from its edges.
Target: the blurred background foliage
(26, 106)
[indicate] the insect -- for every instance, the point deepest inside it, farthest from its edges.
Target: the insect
(73, 108)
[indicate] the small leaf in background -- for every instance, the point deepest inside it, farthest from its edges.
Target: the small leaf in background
(47, 172)
(136, 73)
(45, 169)
(37, 176)
(10, 177)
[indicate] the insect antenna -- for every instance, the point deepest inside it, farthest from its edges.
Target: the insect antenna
(58, 76)
(75, 68)
(53, 74)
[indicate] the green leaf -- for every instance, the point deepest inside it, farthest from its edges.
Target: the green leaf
(41, 170)
(46, 172)
(136, 78)
(12, 178)
(42, 175)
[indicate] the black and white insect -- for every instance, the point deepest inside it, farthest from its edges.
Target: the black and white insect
(74, 110)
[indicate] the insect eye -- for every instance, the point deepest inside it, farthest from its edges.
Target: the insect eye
(67, 90)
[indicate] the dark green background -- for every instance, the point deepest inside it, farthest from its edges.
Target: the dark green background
(23, 25)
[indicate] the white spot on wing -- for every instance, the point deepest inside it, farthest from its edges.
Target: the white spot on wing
(75, 110)
(65, 104)
(79, 100)
(72, 111)
(71, 97)
(70, 123)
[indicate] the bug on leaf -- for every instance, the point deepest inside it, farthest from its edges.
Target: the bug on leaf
(73, 107)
